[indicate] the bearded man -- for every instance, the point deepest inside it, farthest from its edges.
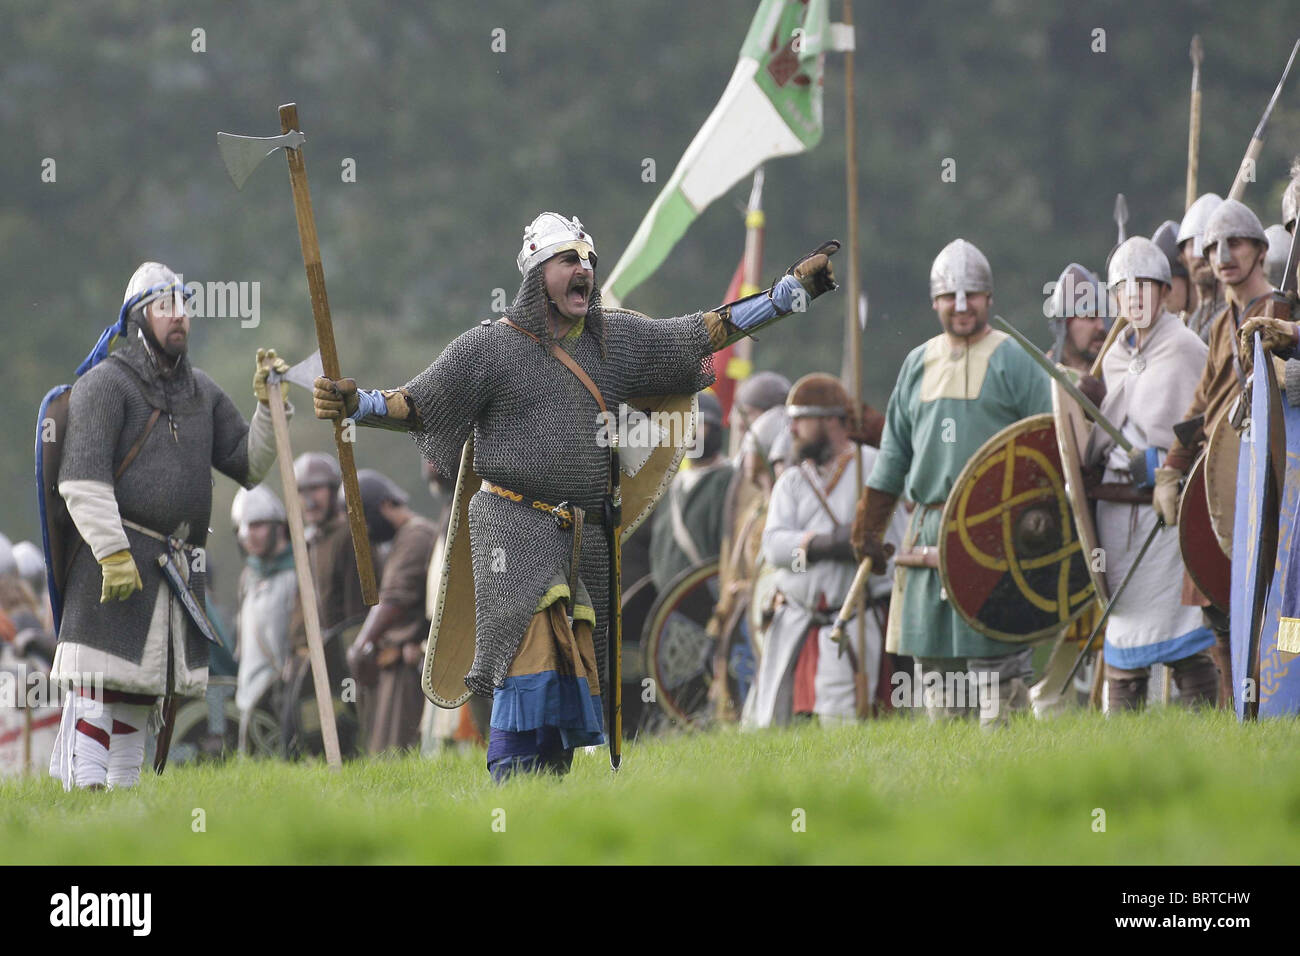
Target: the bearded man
(1076, 309)
(1204, 294)
(954, 392)
(1236, 245)
(531, 389)
(807, 538)
(134, 493)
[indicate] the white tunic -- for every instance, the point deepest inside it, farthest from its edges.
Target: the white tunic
(263, 632)
(1149, 623)
(794, 514)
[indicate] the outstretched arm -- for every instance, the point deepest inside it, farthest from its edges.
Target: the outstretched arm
(808, 278)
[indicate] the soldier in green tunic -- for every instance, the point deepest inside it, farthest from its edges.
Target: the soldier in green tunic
(953, 393)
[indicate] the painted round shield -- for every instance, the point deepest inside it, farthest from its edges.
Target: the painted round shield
(1222, 452)
(300, 716)
(1009, 553)
(637, 602)
(1206, 564)
(678, 651)
(1072, 430)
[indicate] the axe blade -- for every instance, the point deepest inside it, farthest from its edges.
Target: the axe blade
(306, 372)
(242, 154)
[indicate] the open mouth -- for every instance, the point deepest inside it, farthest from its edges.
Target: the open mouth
(579, 289)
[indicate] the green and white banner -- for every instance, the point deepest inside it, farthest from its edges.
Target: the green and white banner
(771, 107)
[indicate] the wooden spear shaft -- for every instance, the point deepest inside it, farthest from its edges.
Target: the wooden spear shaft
(329, 356)
(1194, 125)
(855, 331)
(302, 568)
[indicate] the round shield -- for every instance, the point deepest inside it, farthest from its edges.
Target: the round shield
(678, 651)
(637, 602)
(1206, 564)
(1009, 551)
(300, 715)
(1072, 430)
(1221, 455)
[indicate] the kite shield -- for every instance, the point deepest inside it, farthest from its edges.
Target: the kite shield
(1255, 532)
(1009, 553)
(450, 653)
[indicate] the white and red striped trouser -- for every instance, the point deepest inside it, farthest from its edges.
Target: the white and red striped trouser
(109, 736)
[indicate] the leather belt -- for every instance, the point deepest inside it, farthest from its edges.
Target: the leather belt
(562, 512)
(175, 542)
(1120, 491)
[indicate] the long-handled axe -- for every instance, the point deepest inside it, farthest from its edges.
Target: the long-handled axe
(242, 154)
(302, 567)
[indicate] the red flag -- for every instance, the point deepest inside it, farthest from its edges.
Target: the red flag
(725, 386)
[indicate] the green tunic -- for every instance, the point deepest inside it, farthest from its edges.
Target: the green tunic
(699, 497)
(945, 405)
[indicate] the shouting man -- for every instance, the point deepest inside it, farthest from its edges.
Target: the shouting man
(531, 389)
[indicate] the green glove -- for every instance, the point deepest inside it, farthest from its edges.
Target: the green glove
(267, 360)
(121, 577)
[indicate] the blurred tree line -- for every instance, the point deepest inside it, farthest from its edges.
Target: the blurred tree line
(457, 146)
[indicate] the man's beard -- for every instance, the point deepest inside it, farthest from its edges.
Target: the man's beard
(817, 449)
(981, 323)
(173, 352)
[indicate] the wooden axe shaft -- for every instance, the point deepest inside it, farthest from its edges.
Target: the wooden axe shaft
(856, 592)
(306, 586)
(329, 356)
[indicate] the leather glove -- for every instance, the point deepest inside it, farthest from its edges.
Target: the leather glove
(1277, 335)
(121, 577)
(334, 400)
(875, 508)
(1093, 388)
(267, 360)
(831, 545)
(1164, 498)
(814, 270)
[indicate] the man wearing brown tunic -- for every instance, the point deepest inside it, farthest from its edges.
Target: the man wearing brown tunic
(1236, 246)
(389, 642)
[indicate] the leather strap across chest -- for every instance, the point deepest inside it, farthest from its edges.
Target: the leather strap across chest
(568, 361)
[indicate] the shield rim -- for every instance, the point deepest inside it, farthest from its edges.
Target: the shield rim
(1032, 423)
(451, 665)
(1222, 449)
(1195, 485)
(685, 580)
(1063, 415)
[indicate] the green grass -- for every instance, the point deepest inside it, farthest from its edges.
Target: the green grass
(1176, 788)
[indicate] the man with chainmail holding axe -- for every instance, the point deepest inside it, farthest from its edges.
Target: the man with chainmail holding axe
(139, 498)
(522, 409)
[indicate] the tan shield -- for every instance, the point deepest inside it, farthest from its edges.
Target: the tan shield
(450, 651)
(1009, 551)
(451, 632)
(1072, 430)
(1221, 455)
(642, 490)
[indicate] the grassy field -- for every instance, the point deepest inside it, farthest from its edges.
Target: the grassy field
(1175, 787)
